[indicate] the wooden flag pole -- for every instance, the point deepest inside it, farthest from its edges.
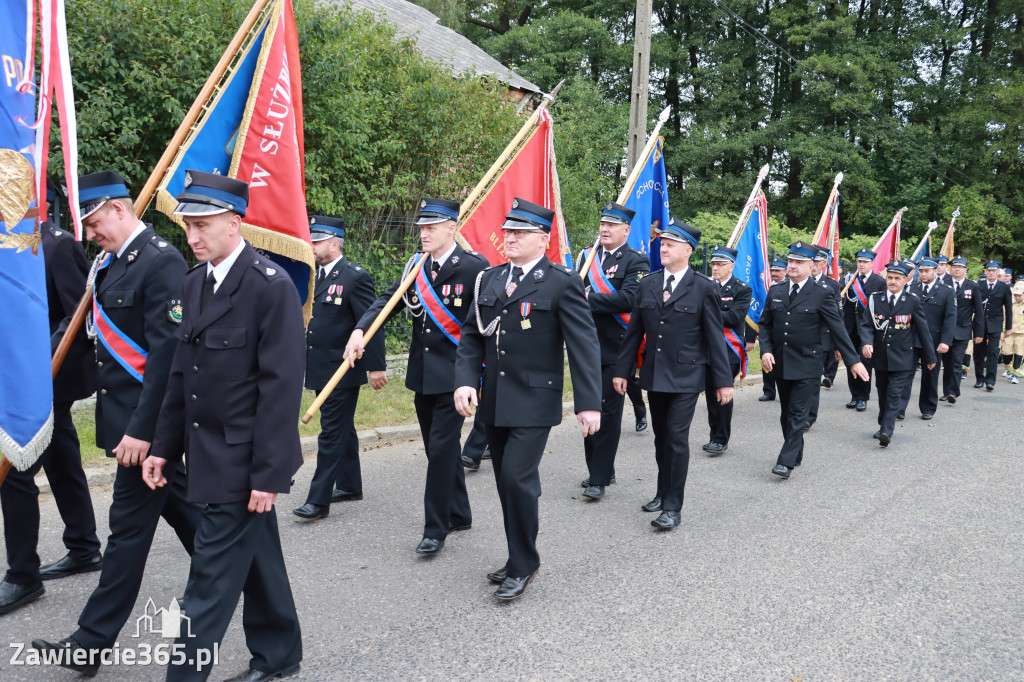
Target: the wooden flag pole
(142, 202)
(823, 221)
(631, 179)
(892, 225)
(527, 128)
(737, 231)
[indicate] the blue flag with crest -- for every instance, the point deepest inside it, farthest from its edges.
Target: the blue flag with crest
(649, 198)
(752, 264)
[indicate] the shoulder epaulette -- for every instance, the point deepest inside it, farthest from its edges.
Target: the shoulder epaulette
(267, 268)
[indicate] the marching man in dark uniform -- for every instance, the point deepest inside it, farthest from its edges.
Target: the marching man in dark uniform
(441, 298)
(526, 311)
(970, 324)
(863, 283)
(343, 293)
(998, 302)
(889, 324)
(231, 407)
(66, 270)
(831, 363)
(136, 311)
(791, 347)
(939, 306)
(942, 276)
(680, 312)
(734, 299)
(612, 283)
(778, 273)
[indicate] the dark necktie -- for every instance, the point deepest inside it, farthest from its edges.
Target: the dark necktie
(956, 289)
(321, 273)
(892, 301)
(794, 290)
(434, 269)
(517, 272)
(207, 291)
(668, 288)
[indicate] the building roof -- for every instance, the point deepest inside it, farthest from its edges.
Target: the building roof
(440, 42)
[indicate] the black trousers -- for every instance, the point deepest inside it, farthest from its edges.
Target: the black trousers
(337, 457)
(134, 514)
(812, 411)
(515, 454)
(953, 367)
(476, 441)
(768, 383)
(671, 415)
(19, 497)
(239, 552)
(719, 416)
(445, 501)
(636, 396)
(986, 358)
(891, 386)
(928, 401)
(795, 397)
(831, 364)
(600, 448)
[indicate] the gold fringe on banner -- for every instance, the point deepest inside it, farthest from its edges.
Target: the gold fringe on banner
(290, 247)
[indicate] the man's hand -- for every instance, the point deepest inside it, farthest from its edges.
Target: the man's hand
(378, 380)
(978, 339)
(261, 502)
(465, 400)
(750, 346)
(943, 348)
(1006, 333)
(867, 351)
(355, 347)
(131, 452)
(860, 371)
(153, 472)
(619, 384)
(767, 361)
(839, 356)
(591, 420)
(724, 394)
(931, 366)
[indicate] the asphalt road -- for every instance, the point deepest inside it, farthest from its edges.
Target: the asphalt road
(903, 563)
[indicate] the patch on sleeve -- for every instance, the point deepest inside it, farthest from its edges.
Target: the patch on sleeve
(174, 312)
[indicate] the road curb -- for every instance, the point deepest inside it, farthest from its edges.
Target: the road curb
(369, 439)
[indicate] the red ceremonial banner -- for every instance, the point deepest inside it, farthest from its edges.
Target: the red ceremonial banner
(888, 246)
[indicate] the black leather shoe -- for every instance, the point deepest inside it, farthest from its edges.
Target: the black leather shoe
(901, 415)
(979, 384)
(990, 387)
(926, 417)
(781, 470)
(455, 528)
(765, 398)
(585, 483)
(345, 496)
(862, 405)
(487, 454)
(666, 521)
(514, 587)
(714, 448)
(951, 399)
(469, 463)
(943, 398)
(652, 506)
(641, 424)
(884, 439)
(826, 382)
(62, 568)
(64, 655)
(594, 492)
(312, 512)
(14, 596)
(852, 404)
(877, 434)
(807, 426)
(498, 577)
(429, 546)
(253, 675)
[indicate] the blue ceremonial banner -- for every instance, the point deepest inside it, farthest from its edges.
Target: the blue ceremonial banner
(752, 264)
(649, 198)
(26, 387)
(924, 250)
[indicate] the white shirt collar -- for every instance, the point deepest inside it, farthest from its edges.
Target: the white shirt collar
(526, 268)
(799, 285)
(440, 261)
(127, 242)
(677, 275)
(220, 271)
(330, 266)
(611, 251)
(960, 282)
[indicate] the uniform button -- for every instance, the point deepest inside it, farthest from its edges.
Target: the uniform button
(225, 343)
(118, 300)
(661, 322)
(659, 336)
(195, 340)
(549, 383)
(659, 350)
(426, 350)
(502, 353)
(193, 396)
(311, 348)
(428, 330)
(787, 324)
(501, 374)
(195, 426)
(99, 364)
(504, 312)
(186, 338)
(195, 369)
(503, 332)
(103, 391)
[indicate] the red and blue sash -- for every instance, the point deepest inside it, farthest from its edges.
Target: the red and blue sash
(737, 346)
(440, 314)
(127, 353)
(858, 289)
(602, 285)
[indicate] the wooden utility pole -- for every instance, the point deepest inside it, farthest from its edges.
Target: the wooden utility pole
(641, 81)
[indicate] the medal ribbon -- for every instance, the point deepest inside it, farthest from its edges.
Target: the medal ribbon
(442, 317)
(127, 353)
(524, 309)
(602, 286)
